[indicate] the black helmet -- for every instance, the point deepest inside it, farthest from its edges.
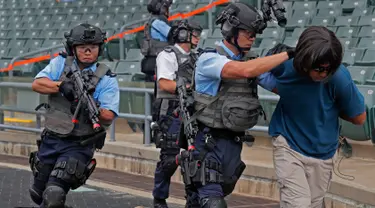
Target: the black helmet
(158, 7)
(84, 33)
(240, 16)
(182, 30)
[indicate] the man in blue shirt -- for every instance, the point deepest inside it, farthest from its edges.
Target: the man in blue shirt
(155, 35)
(226, 104)
(315, 91)
(64, 159)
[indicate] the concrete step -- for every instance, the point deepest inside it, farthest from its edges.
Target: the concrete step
(258, 178)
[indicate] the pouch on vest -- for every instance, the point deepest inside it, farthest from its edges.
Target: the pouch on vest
(240, 113)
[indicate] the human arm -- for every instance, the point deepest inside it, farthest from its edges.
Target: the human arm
(109, 99)
(46, 81)
(350, 103)
(252, 68)
(166, 64)
(162, 27)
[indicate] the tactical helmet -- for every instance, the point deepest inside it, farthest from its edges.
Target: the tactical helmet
(84, 34)
(240, 16)
(182, 31)
(158, 7)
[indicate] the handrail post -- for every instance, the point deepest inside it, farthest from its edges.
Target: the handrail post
(147, 122)
(112, 130)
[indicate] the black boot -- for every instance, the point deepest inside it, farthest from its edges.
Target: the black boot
(160, 203)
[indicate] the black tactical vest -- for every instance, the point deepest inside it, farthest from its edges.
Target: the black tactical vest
(150, 46)
(236, 106)
(58, 117)
(186, 65)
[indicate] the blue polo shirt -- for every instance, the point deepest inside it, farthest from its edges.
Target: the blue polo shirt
(307, 114)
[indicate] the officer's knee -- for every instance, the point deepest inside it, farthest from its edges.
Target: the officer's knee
(73, 171)
(213, 202)
(36, 195)
(54, 197)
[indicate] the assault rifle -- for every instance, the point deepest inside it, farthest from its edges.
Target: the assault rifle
(84, 97)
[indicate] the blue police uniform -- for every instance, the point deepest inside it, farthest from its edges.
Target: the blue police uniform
(227, 152)
(52, 150)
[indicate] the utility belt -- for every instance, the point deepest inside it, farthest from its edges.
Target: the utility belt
(216, 133)
(97, 139)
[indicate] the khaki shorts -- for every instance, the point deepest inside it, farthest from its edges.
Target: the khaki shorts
(303, 181)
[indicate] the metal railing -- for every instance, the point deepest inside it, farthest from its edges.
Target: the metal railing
(146, 118)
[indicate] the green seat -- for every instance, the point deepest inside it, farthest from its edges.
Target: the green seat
(352, 55)
(352, 4)
(347, 32)
(273, 33)
(349, 42)
(305, 5)
(322, 21)
(128, 67)
(360, 74)
(291, 41)
(329, 12)
(346, 21)
(212, 43)
(34, 43)
(216, 34)
(134, 55)
(362, 11)
(297, 32)
(366, 43)
(202, 19)
(329, 4)
(367, 31)
(367, 20)
(268, 43)
(298, 22)
(368, 58)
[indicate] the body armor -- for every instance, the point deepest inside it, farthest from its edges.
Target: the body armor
(186, 64)
(236, 106)
(58, 117)
(150, 46)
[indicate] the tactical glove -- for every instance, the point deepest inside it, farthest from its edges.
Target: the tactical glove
(279, 48)
(67, 90)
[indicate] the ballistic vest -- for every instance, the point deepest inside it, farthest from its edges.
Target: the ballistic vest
(150, 46)
(186, 65)
(58, 117)
(236, 106)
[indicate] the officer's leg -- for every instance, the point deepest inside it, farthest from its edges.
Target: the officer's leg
(192, 197)
(167, 166)
(210, 191)
(41, 164)
(71, 170)
(233, 166)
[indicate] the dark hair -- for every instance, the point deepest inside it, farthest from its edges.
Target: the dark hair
(317, 45)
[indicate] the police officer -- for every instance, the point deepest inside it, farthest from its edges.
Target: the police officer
(64, 159)
(155, 35)
(226, 103)
(174, 60)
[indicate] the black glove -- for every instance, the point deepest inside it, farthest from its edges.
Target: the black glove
(67, 90)
(279, 48)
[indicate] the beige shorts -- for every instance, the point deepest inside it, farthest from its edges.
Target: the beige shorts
(303, 181)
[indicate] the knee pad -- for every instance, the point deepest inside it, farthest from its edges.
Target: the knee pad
(213, 202)
(54, 197)
(36, 195)
(73, 171)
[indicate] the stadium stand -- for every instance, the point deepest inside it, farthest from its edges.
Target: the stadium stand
(27, 25)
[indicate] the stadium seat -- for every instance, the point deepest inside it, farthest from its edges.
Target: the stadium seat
(134, 55)
(329, 5)
(325, 13)
(347, 32)
(352, 4)
(360, 74)
(366, 43)
(368, 58)
(346, 21)
(367, 31)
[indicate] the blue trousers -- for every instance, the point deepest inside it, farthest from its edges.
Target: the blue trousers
(167, 166)
(53, 150)
(227, 153)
